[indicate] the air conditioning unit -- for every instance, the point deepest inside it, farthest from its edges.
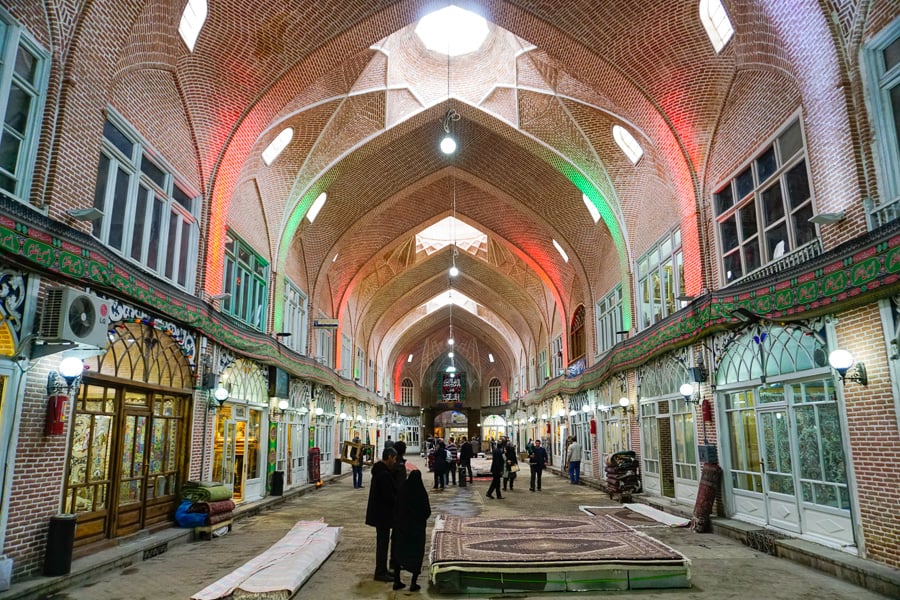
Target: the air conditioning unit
(75, 316)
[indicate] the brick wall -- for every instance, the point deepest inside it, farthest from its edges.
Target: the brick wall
(874, 439)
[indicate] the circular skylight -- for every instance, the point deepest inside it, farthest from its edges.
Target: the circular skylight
(452, 31)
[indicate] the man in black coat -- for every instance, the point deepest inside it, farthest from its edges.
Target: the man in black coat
(466, 452)
(498, 460)
(380, 510)
(538, 462)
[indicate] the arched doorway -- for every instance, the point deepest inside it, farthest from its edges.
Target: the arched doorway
(451, 423)
(784, 454)
(492, 427)
(239, 459)
(127, 450)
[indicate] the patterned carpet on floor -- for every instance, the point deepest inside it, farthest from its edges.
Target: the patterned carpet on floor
(577, 553)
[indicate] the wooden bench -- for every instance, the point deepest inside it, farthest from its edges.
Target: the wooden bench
(205, 532)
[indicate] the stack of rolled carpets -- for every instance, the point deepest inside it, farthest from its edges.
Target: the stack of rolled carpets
(205, 491)
(216, 512)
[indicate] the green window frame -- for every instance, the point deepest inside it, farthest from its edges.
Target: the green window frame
(246, 279)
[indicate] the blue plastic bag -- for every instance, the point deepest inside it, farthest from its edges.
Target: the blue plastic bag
(188, 519)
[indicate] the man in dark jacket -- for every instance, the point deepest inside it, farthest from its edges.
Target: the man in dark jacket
(538, 461)
(380, 511)
(498, 460)
(466, 452)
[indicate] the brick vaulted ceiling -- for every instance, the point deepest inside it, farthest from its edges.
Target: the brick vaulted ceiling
(365, 100)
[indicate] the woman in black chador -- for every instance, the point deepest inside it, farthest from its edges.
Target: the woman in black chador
(411, 513)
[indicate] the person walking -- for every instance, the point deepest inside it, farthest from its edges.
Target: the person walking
(498, 460)
(511, 465)
(466, 452)
(411, 514)
(573, 458)
(356, 455)
(537, 460)
(452, 459)
(380, 510)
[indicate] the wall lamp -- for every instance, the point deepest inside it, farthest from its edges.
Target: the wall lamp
(687, 390)
(70, 370)
(85, 214)
(278, 406)
(842, 362)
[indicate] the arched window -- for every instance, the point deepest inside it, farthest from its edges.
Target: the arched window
(406, 392)
(627, 144)
(715, 21)
(576, 339)
(494, 389)
(192, 20)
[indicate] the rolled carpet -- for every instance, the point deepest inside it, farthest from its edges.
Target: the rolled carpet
(206, 494)
(212, 508)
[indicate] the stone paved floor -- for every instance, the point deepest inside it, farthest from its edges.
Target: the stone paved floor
(721, 568)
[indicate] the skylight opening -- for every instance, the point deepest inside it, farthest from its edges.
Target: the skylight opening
(454, 298)
(716, 22)
(561, 251)
(278, 144)
(192, 20)
(452, 31)
(409, 358)
(595, 214)
(447, 231)
(628, 144)
(316, 207)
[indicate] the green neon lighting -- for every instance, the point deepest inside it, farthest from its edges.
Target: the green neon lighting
(293, 224)
(612, 223)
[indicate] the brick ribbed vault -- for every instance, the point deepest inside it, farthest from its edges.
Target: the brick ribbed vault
(537, 104)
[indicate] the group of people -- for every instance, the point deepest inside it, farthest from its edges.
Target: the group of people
(447, 458)
(398, 509)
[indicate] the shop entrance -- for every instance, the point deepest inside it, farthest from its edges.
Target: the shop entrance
(133, 474)
(451, 424)
(126, 452)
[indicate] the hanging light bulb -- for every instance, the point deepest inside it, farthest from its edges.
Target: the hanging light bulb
(451, 341)
(454, 271)
(450, 354)
(448, 144)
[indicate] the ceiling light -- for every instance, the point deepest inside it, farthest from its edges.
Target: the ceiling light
(451, 369)
(490, 357)
(451, 341)
(277, 146)
(409, 358)
(448, 145)
(451, 354)
(454, 271)
(316, 207)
